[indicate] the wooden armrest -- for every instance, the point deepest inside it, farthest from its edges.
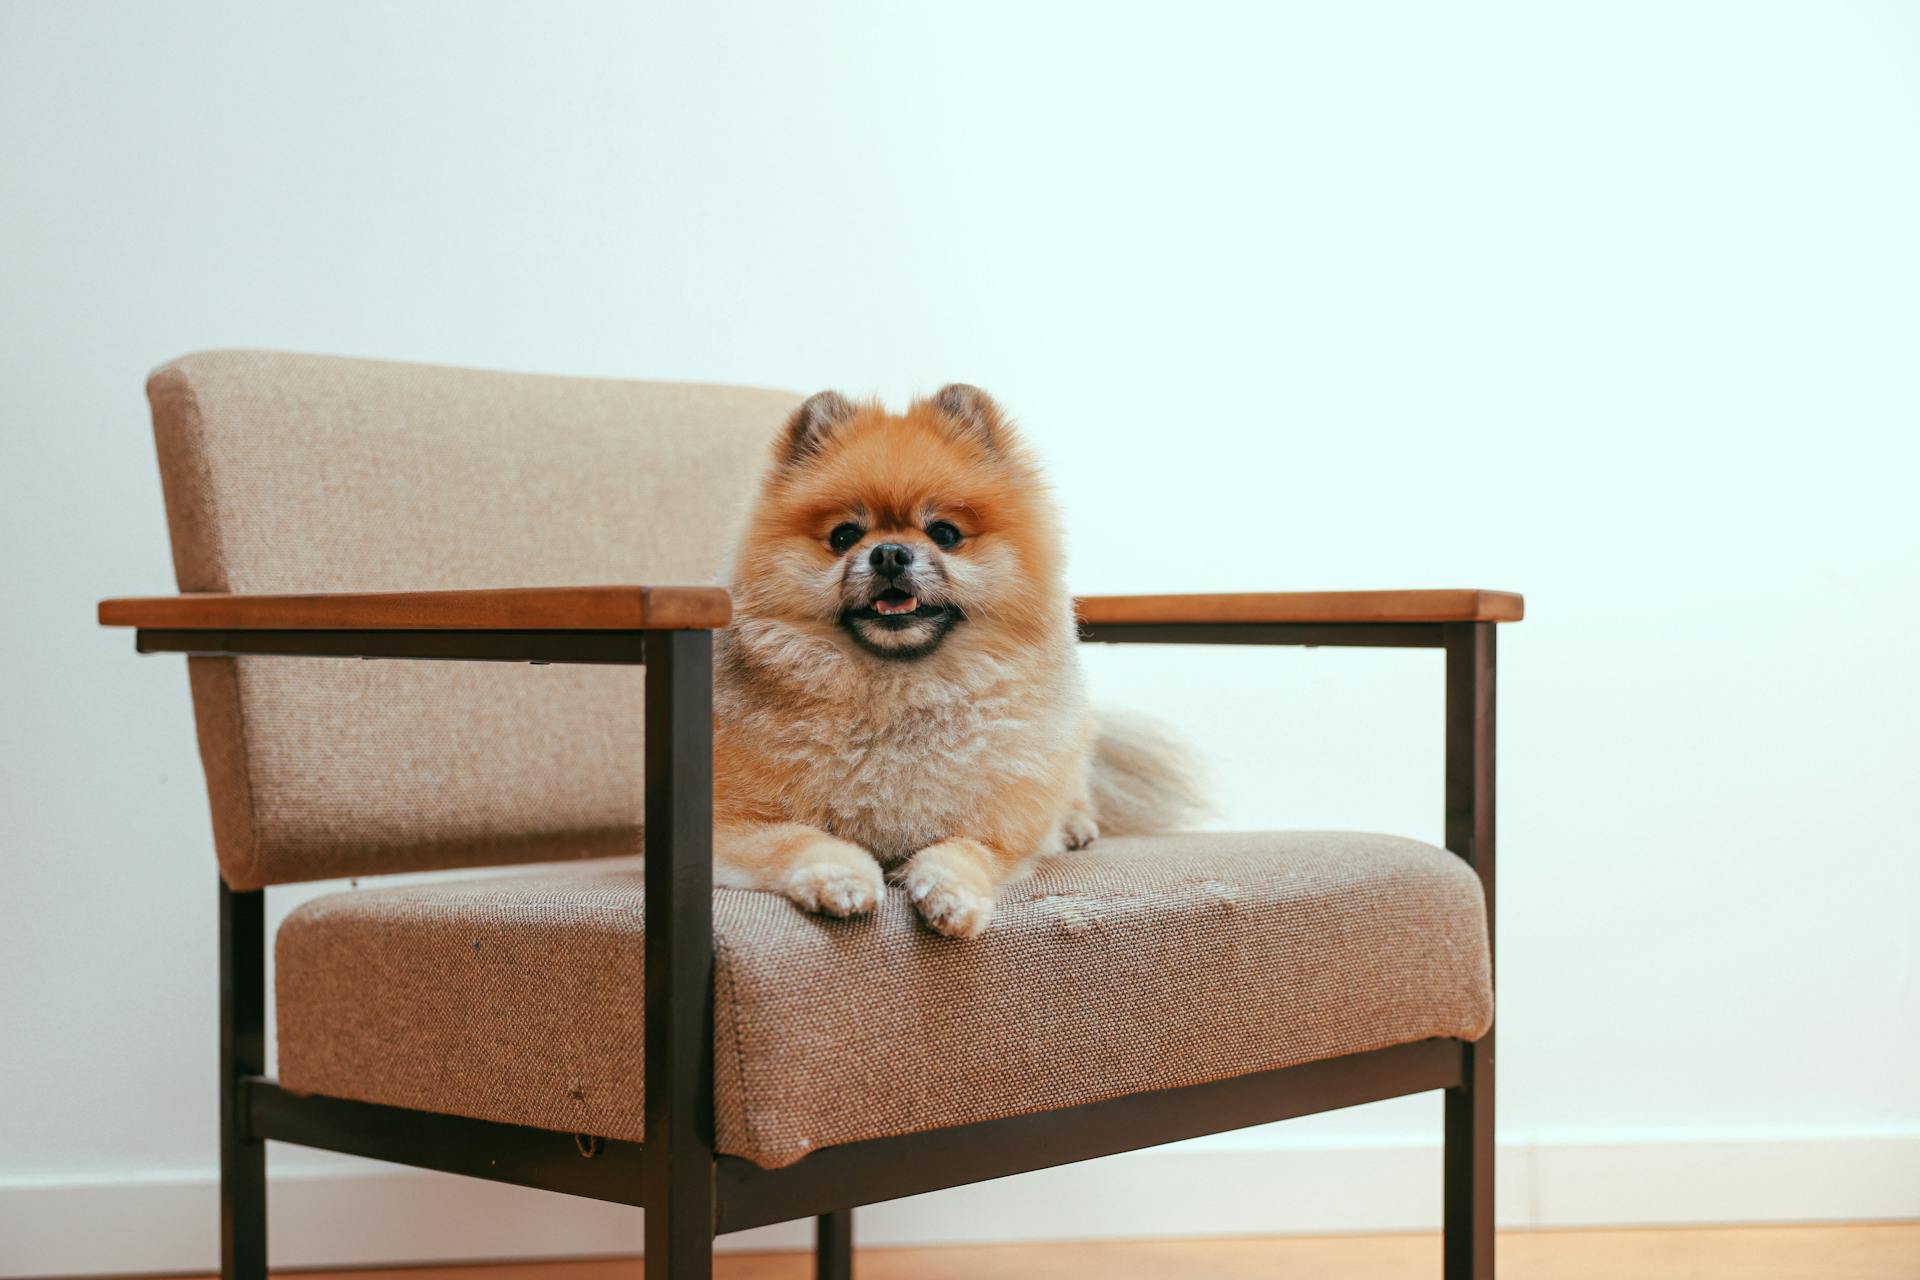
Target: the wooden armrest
(1306, 607)
(511, 609)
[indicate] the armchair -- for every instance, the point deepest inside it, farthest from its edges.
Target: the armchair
(489, 1027)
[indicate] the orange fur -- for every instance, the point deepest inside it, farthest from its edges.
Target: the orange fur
(947, 744)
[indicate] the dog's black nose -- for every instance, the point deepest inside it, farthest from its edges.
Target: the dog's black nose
(890, 559)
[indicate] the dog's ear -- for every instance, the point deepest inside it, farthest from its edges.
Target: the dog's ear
(807, 430)
(973, 415)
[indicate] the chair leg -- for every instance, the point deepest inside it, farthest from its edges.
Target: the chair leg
(243, 1211)
(833, 1246)
(677, 1156)
(243, 1013)
(1470, 774)
(1469, 1169)
(679, 1240)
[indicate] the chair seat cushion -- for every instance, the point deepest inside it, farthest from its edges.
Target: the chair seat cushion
(1136, 964)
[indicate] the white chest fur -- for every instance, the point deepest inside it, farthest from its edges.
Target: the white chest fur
(899, 757)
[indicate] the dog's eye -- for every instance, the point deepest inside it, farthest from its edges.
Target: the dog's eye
(944, 535)
(844, 536)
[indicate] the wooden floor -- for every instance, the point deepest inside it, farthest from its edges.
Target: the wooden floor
(1877, 1252)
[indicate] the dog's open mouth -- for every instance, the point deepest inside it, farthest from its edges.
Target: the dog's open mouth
(897, 623)
(898, 608)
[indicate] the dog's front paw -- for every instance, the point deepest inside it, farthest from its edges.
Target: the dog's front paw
(950, 907)
(837, 879)
(950, 889)
(1079, 830)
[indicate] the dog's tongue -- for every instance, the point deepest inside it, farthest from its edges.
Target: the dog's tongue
(901, 604)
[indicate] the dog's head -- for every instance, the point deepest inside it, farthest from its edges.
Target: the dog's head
(899, 533)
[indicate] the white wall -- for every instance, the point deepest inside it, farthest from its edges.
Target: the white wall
(1615, 305)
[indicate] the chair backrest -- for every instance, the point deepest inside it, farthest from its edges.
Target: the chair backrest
(313, 473)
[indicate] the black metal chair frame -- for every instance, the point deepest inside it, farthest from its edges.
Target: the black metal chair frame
(690, 1194)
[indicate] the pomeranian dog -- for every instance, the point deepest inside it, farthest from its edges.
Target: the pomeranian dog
(900, 692)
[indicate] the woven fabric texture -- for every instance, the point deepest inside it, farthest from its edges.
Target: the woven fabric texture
(1139, 963)
(314, 473)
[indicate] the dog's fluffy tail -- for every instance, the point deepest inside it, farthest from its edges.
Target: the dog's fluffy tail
(1143, 779)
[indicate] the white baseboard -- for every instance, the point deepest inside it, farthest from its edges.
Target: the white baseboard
(359, 1213)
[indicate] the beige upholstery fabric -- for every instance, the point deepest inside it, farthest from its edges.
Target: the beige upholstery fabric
(1139, 963)
(312, 473)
